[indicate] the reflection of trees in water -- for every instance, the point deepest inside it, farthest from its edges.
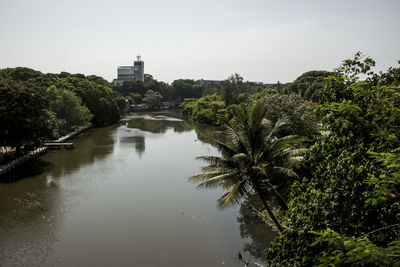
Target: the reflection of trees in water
(253, 228)
(158, 126)
(93, 145)
(160, 122)
(206, 133)
(88, 147)
(140, 145)
(138, 141)
(37, 203)
(156, 123)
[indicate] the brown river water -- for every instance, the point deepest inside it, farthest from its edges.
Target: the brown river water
(121, 197)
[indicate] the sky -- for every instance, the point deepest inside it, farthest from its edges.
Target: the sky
(262, 40)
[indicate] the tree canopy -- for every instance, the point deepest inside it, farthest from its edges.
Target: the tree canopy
(95, 92)
(346, 208)
(23, 115)
(309, 84)
(252, 158)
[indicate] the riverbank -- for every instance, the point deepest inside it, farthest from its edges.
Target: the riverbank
(96, 197)
(71, 135)
(9, 167)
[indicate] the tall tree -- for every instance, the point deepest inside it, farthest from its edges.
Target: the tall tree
(23, 116)
(153, 99)
(309, 84)
(231, 88)
(252, 158)
(345, 212)
(68, 108)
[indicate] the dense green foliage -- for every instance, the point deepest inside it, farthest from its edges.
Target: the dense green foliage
(37, 106)
(185, 88)
(252, 158)
(217, 107)
(179, 90)
(23, 116)
(208, 109)
(153, 99)
(212, 109)
(233, 90)
(98, 98)
(340, 207)
(292, 108)
(68, 109)
(309, 84)
(346, 208)
(95, 92)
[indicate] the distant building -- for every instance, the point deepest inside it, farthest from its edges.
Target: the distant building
(128, 73)
(209, 82)
(139, 107)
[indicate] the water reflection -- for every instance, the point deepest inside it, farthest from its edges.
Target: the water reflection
(157, 124)
(136, 128)
(122, 196)
(33, 205)
(138, 141)
(253, 229)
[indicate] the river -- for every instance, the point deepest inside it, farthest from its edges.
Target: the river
(121, 197)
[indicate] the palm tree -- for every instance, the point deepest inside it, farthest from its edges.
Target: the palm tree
(251, 158)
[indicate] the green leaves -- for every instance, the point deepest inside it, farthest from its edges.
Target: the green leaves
(68, 109)
(347, 251)
(251, 158)
(209, 109)
(309, 85)
(153, 99)
(23, 115)
(349, 190)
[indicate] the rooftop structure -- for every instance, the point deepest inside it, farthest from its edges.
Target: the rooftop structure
(210, 82)
(128, 73)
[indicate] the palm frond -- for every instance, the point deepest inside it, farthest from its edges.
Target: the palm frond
(212, 160)
(273, 145)
(277, 142)
(276, 127)
(238, 140)
(217, 163)
(283, 157)
(240, 157)
(224, 147)
(234, 196)
(211, 168)
(204, 176)
(215, 181)
(256, 115)
(292, 161)
(241, 114)
(285, 171)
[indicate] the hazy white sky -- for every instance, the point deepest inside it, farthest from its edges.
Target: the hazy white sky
(260, 39)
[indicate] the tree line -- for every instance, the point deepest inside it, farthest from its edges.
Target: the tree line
(35, 106)
(321, 155)
(153, 92)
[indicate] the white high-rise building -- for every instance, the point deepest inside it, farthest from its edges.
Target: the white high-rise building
(127, 73)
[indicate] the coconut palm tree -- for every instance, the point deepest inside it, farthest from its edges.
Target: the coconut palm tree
(252, 157)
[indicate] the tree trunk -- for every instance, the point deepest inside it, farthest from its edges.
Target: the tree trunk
(279, 197)
(267, 207)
